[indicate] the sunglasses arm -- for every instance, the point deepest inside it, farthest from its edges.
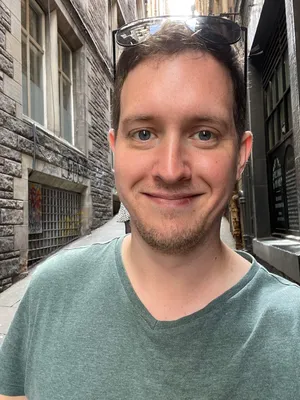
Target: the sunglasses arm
(114, 32)
(245, 30)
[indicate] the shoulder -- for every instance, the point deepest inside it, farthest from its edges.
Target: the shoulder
(267, 304)
(275, 295)
(269, 289)
(70, 266)
(276, 284)
(280, 290)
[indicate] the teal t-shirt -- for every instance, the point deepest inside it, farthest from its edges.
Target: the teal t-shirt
(82, 333)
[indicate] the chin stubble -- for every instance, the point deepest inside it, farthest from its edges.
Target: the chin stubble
(178, 242)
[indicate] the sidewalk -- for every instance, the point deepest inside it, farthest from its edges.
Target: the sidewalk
(10, 299)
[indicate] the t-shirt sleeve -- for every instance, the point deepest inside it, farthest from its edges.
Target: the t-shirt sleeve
(13, 352)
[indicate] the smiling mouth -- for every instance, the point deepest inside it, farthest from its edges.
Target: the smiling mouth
(171, 196)
(171, 199)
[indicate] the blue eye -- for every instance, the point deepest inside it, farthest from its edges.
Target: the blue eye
(144, 134)
(204, 135)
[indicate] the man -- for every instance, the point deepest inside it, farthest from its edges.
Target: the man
(169, 312)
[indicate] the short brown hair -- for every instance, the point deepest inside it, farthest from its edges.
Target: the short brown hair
(174, 38)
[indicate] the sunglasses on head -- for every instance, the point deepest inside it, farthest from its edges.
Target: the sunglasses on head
(212, 29)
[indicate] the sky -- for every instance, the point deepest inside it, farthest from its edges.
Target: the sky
(180, 7)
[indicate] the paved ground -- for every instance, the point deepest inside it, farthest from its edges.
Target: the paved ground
(10, 299)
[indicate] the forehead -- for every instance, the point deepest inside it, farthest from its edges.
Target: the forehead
(186, 83)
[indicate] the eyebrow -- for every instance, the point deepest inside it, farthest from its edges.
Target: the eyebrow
(218, 119)
(138, 118)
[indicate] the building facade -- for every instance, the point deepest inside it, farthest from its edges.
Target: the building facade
(56, 77)
(157, 7)
(271, 185)
(215, 7)
(200, 7)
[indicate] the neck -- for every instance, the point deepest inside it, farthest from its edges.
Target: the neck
(170, 286)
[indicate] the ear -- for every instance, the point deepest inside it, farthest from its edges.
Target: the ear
(244, 153)
(111, 139)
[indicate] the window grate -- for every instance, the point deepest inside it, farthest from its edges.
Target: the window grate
(61, 222)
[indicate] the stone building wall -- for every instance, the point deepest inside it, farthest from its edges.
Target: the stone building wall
(36, 153)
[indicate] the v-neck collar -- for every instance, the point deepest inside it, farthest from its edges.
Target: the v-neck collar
(214, 306)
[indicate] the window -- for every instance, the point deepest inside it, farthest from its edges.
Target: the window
(58, 221)
(65, 90)
(279, 131)
(32, 60)
(52, 70)
(278, 100)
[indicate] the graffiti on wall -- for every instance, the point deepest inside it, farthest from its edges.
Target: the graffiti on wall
(72, 171)
(35, 208)
(70, 224)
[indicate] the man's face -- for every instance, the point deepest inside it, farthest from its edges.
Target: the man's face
(176, 152)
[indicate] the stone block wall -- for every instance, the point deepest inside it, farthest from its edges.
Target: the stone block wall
(11, 210)
(128, 8)
(49, 159)
(101, 173)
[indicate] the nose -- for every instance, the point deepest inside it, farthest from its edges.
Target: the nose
(172, 163)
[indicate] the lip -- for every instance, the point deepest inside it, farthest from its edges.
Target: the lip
(172, 200)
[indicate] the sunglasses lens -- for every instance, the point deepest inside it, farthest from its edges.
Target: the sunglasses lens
(215, 30)
(211, 29)
(137, 33)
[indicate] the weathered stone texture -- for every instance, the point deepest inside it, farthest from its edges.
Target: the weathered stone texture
(102, 180)
(6, 244)
(6, 230)
(5, 18)
(9, 153)
(8, 138)
(17, 135)
(15, 125)
(6, 195)
(10, 167)
(6, 64)
(9, 268)
(93, 16)
(6, 183)
(11, 217)
(9, 255)
(6, 282)
(25, 145)
(128, 8)
(7, 104)
(2, 39)
(16, 204)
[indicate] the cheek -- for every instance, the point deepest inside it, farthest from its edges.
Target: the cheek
(218, 171)
(129, 168)
(220, 180)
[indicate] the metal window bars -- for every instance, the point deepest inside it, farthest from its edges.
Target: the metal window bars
(61, 223)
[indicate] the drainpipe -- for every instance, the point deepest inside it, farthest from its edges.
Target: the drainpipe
(34, 145)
